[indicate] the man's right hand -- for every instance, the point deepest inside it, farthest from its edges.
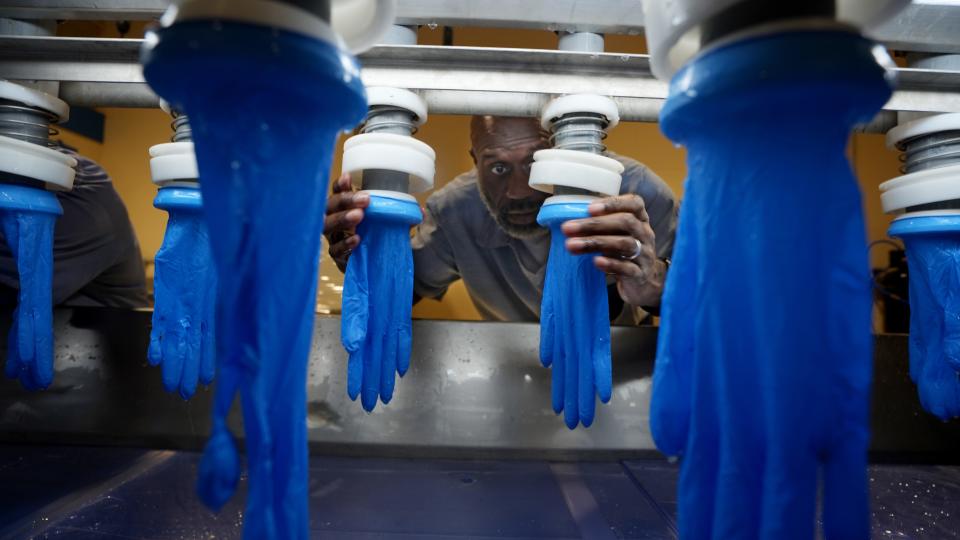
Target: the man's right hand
(344, 212)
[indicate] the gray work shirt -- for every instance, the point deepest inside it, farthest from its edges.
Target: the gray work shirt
(459, 239)
(96, 257)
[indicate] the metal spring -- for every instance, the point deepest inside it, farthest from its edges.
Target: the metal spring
(579, 131)
(181, 128)
(26, 123)
(930, 151)
(388, 119)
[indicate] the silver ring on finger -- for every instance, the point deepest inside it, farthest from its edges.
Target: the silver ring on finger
(635, 253)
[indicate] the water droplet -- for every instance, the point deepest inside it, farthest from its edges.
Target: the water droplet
(432, 25)
(624, 58)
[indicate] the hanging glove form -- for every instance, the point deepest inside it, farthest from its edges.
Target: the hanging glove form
(185, 284)
(27, 218)
(378, 299)
(933, 255)
(263, 149)
(764, 360)
(574, 322)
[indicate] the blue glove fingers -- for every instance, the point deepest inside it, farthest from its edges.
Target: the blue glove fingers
(789, 493)
(939, 385)
(35, 310)
(191, 361)
(370, 390)
(171, 369)
(672, 394)
(845, 492)
(585, 297)
(547, 316)
(602, 368)
(923, 324)
(43, 366)
(571, 410)
(696, 493)
(951, 338)
(356, 306)
(154, 351)
(11, 233)
(557, 359)
(949, 289)
(355, 318)
(208, 357)
(391, 337)
(26, 334)
(405, 312)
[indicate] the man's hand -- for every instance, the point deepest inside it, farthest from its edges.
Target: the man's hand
(344, 213)
(613, 232)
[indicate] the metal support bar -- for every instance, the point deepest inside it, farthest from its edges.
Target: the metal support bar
(924, 25)
(452, 80)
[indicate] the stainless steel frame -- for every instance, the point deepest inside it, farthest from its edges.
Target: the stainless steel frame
(474, 390)
(453, 80)
(925, 25)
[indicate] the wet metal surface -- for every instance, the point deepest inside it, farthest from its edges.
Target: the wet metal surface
(474, 390)
(366, 498)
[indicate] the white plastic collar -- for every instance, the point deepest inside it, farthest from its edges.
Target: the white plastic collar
(37, 162)
(673, 27)
(35, 98)
(575, 169)
(260, 12)
(922, 187)
(922, 126)
(362, 23)
(398, 97)
(392, 152)
(355, 25)
(172, 162)
(582, 103)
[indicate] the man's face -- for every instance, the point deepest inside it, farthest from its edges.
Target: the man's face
(503, 152)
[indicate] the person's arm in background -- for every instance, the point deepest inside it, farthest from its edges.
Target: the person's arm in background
(645, 212)
(97, 260)
(433, 266)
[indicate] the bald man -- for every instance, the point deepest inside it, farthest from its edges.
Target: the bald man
(482, 228)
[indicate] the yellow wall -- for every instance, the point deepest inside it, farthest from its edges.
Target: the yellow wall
(130, 132)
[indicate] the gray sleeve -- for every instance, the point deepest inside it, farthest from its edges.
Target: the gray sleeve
(659, 200)
(434, 265)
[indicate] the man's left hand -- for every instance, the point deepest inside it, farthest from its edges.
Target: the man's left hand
(619, 232)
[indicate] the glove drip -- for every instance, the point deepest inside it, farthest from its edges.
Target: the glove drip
(574, 322)
(185, 283)
(265, 106)
(378, 299)
(27, 218)
(933, 256)
(764, 361)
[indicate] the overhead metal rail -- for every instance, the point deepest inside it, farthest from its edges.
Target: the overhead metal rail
(453, 80)
(924, 25)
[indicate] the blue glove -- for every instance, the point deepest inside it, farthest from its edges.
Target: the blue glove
(185, 285)
(933, 253)
(574, 322)
(377, 300)
(264, 170)
(28, 216)
(764, 360)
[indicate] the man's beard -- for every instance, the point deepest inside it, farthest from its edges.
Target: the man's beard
(501, 215)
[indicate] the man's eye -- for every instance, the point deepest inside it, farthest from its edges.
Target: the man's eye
(499, 169)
